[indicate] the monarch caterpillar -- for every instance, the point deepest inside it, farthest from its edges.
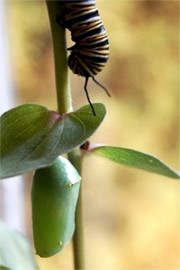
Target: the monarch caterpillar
(91, 50)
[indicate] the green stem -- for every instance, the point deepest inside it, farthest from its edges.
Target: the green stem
(60, 59)
(78, 240)
(64, 103)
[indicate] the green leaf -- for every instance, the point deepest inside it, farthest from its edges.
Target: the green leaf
(54, 196)
(135, 159)
(33, 137)
(15, 251)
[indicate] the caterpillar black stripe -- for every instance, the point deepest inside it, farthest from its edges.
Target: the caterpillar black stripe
(90, 53)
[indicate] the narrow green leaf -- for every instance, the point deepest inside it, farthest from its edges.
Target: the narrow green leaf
(33, 137)
(135, 159)
(15, 251)
(54, 196)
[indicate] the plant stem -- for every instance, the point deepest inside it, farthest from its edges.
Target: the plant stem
(78, 240)
(64, 103)
(60, 59)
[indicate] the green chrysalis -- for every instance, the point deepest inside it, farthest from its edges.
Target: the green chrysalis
(55, 192)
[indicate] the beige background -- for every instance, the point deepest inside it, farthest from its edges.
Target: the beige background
(131, 217)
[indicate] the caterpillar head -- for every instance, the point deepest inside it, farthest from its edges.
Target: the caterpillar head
(79, 65)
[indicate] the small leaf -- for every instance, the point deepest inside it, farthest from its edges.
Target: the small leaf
(33, 137)
(54, 196)
(135, 159)
(15, 251)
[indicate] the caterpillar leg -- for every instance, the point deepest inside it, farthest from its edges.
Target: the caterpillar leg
(87, 95)
(101, 86)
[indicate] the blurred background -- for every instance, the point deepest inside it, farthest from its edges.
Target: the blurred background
(131, 218)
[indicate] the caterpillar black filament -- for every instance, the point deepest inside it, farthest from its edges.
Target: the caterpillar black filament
(90, 53)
